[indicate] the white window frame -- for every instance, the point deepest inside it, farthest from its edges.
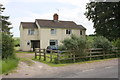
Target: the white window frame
(53, 31)
(56, 41)
(31, 31)
(68, 31)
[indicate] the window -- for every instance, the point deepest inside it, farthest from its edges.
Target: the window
(68, 31)
(81, 33)
(53, 31)
(53, 42)
(31, 32)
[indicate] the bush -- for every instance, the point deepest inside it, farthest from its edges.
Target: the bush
(7, 46)
(77, 45)
(17, 42)
(117, 43)
(61, 47)
(101, 42)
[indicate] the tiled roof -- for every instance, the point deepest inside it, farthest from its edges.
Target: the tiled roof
(58, 24)
(52, 24)
(81, 27)
(28, 25)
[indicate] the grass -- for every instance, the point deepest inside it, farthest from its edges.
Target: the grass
(17, 48)
(8, 65)
(23, 52)
(27, 61)
(53, 64)
(0, 66)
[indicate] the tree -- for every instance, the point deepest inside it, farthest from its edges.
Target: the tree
(5, 24)
(7, 40)
(106, 18)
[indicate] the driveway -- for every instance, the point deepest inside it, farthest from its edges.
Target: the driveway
(102, 69)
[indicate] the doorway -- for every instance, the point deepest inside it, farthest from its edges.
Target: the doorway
(35, 44)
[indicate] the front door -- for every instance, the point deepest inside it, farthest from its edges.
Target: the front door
(35, 44)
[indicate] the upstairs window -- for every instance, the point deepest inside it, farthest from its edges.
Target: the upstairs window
(81, 33)
(53, 31)
(68, 31)
(31, 31)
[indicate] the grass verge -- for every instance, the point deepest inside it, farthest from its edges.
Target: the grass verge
(8, 65)
(23, 52)
(52, 64)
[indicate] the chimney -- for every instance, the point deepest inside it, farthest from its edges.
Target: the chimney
(55, 17)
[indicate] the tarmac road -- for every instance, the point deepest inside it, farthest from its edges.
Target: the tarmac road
(97, 70)
(102, 72)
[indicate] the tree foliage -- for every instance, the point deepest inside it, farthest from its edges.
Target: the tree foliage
(7, 46)
(106, 18)
(117, 43)
(76, 45)
(7, 40)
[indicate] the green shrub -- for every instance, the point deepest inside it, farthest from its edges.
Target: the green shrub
(7, 46)
(117, 43)
(61, 47)
(17, 42)
(77, 45)
(101, 42)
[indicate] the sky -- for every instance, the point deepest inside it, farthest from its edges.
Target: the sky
(29, 10)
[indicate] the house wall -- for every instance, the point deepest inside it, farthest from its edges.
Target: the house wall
(60, 35)
(44, 35)
(25, 38)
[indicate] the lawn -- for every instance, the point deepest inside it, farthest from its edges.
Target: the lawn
(8, 65)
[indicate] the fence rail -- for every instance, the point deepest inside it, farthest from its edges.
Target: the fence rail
(91, 53)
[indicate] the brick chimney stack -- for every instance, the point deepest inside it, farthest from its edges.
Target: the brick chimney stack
(55, 17)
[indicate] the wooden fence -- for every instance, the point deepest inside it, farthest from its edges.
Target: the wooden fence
(91, 53)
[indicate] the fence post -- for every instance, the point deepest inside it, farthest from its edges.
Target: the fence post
(44, 52)
(39, 53)
(35, 54)
(90, 54)
(51, 55)
(58, 57)
(116, 50)
(103, 54)
(73, 57)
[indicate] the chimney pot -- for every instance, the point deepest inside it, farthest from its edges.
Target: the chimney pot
(55, 17)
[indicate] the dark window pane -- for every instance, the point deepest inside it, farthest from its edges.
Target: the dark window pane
(80, 32)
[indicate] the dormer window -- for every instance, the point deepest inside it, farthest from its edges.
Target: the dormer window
(53, 31)
(68, 31)
(31, 31)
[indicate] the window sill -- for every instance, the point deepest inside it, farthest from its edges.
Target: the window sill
(53, 34)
